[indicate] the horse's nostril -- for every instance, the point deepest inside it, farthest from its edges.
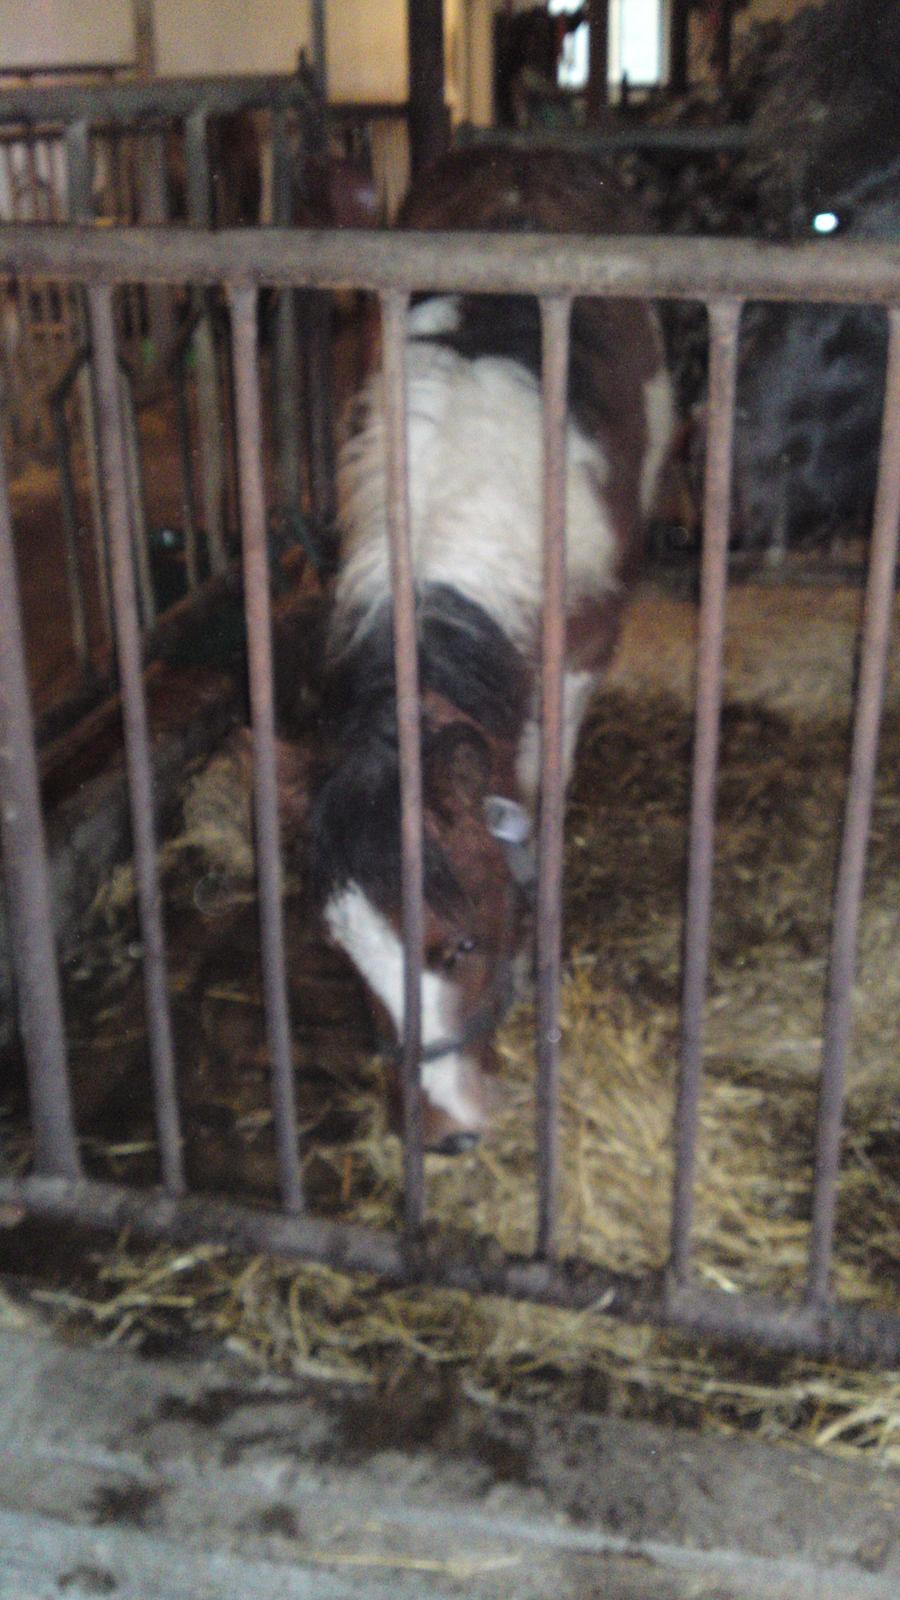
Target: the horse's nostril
(456, 1144)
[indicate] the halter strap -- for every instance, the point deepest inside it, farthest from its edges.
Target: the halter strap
(488, 1016)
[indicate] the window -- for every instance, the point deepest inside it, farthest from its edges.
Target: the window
(635, 43)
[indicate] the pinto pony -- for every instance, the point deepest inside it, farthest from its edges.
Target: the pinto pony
(475, 492)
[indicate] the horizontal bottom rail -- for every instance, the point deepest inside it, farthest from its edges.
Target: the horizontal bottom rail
(454, 1261)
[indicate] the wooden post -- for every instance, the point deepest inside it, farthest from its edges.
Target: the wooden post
(320, 48)
(723, 40)
(209, 400)
(144, 37)
(598, 62)
(429, 122)
(679, 23)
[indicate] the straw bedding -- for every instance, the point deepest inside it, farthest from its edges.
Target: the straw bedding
(784, 759)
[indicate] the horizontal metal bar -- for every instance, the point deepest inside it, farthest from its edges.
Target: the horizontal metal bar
(66, 69)
(383, 260)
(475, 1266)
(733, 136)
(160, 98)
(367, 110)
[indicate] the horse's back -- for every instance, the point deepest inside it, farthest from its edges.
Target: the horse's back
(474, 364)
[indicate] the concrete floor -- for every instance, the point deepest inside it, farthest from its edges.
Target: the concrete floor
(161, 1480)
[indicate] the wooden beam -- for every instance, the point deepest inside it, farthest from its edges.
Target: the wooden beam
(598, 61)
(429, 122)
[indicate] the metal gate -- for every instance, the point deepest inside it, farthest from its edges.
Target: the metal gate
(721, 274)
(131, 152)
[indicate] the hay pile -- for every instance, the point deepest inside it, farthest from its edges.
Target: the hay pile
(785, 742)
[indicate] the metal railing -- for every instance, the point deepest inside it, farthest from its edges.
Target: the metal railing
(84, 151)
(722, 274)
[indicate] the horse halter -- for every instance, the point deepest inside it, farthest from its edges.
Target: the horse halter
(510, 825)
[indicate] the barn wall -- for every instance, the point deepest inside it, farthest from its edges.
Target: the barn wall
(366, 38)
(50, 32)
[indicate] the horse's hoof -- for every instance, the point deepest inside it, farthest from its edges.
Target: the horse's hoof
(456, 1144)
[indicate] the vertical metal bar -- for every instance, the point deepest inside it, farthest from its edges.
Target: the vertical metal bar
(78, 171)
(79, 200)
(137, 748)
(209, 400)
(724, 319)
(188, 514)
(153, 209)
(393, 311)
(27, 880)
(69, 508)
(876, 631)
(320, 405)
(262, 709)
(555, 365)
(137, 514)
(288, 418)
(320, 48)
(40, 213)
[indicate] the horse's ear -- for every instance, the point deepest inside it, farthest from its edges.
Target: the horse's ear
(456, 770)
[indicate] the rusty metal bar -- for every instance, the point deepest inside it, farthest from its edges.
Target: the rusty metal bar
(319, 398)
(555, 367)
(137, 748)
(286, 357)
(79, 200)
(474, 1266)
(537, 264)
(136, 501)
(724, 317)
(69, 508)
(210, 419)
(393, 313)
(262, 710)
(80, 207)
(876, 631)
(27, 882)
(161, 99)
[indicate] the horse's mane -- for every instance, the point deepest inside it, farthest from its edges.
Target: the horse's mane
(463, 657)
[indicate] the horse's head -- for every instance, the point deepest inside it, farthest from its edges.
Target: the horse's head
(478, 868)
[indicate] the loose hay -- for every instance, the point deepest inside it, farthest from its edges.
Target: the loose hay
(783, 773)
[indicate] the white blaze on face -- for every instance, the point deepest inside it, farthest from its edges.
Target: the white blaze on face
(373, 947)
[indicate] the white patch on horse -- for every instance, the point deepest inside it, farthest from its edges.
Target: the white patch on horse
(475, 493)
(659, 414)
(438, 315)
(578, 688)
(373, 947)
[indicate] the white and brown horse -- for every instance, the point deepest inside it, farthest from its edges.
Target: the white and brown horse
(475, 467)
